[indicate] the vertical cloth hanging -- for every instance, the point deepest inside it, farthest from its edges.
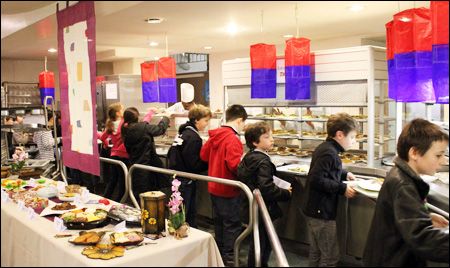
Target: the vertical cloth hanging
(412, 55)
(47, 85)
(297, 69)
(264, 77)
(439, 22)
(167, 80)
(392, 76)
(149, 82)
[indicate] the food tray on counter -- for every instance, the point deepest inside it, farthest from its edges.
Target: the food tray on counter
(131, 216)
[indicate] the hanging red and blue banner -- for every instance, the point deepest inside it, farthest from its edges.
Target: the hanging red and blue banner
(412, 55)
(297, 69)
(149, 79)
(47, 85)
(167, 79)
(263, 60)
(392, 76)
(439, 22)
(77, 81)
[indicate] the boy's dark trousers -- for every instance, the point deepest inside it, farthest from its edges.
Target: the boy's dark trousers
(227, 224)
(265, 246)
(116, 178)
(188, 190)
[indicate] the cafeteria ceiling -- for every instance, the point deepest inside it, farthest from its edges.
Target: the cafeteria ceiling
(29, 28)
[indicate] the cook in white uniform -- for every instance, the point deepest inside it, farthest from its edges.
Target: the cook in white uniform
(187, 100)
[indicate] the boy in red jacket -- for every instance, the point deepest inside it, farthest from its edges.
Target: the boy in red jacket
(223, 152)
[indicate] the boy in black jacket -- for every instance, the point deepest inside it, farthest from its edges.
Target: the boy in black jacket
(184, 155)
(257, 171)
(403, 231)
(323, 185)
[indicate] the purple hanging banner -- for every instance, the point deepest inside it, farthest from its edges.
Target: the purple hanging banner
(297, 69)
(77, 70)
(264, 66)
(412, 55)
(167, 79)
(149, 82)
(439, 22)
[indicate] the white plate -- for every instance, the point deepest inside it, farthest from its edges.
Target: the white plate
(49, 211)
(370, 185)
(295, 169)
(67, 199)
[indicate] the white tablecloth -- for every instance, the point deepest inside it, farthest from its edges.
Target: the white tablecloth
(28, 242)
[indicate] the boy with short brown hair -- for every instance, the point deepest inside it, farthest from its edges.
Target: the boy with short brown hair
(403, 231)
(323, 187)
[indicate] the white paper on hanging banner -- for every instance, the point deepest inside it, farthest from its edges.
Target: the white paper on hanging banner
(31, 213)
(121, 227)
(111, 91)
(31, 182)
(61, 186)
(59, 225)
(21, 205)
(281, 183)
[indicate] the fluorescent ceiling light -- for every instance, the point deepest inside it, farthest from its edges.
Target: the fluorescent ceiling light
(154, 20)
(153, 44)
(288, 36)
(207, 47)
(52, 50)
(356, 7)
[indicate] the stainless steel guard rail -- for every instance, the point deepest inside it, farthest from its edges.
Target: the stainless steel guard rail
(239, 184)
(125, 172)
(437, 210)
(273, 237)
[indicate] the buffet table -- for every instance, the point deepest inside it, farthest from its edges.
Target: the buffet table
(32, 242)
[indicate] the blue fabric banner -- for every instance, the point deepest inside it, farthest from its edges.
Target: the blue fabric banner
(263, 83)
(392, 79)
(440, 73)
(414, 70)
(149, 92)
(298, 81)
(47, 92)
(167, 89)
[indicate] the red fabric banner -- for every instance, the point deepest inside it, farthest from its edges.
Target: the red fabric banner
(439, 22)
(297, 52)
(46, 80)
(412, 30)
(263, 56)
(167, 68)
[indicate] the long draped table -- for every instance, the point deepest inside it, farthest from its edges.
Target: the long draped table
(32, 242)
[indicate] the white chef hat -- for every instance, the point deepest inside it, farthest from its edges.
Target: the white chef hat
(187, 92)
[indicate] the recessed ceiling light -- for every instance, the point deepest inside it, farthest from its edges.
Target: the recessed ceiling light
(52, 50)
(208, 47)
(288, 36)
(154, 20)
(156, 58)
(153, 44)
(232, 28)
(356, 7)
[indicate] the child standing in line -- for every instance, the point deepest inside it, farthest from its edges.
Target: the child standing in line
(118, 150)
(403, 231)
(256, 170)
(323, 187)
(223, 152)
(184, 155)
(138, 138)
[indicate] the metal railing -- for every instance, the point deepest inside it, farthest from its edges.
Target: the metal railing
(239, 184)
(125, 172)
(437, 210)
(273, 237)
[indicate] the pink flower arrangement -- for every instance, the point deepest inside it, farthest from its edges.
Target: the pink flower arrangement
(19, 157)
(177, 216)
(176, 200)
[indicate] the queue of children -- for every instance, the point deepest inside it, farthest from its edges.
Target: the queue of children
(403, 231)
